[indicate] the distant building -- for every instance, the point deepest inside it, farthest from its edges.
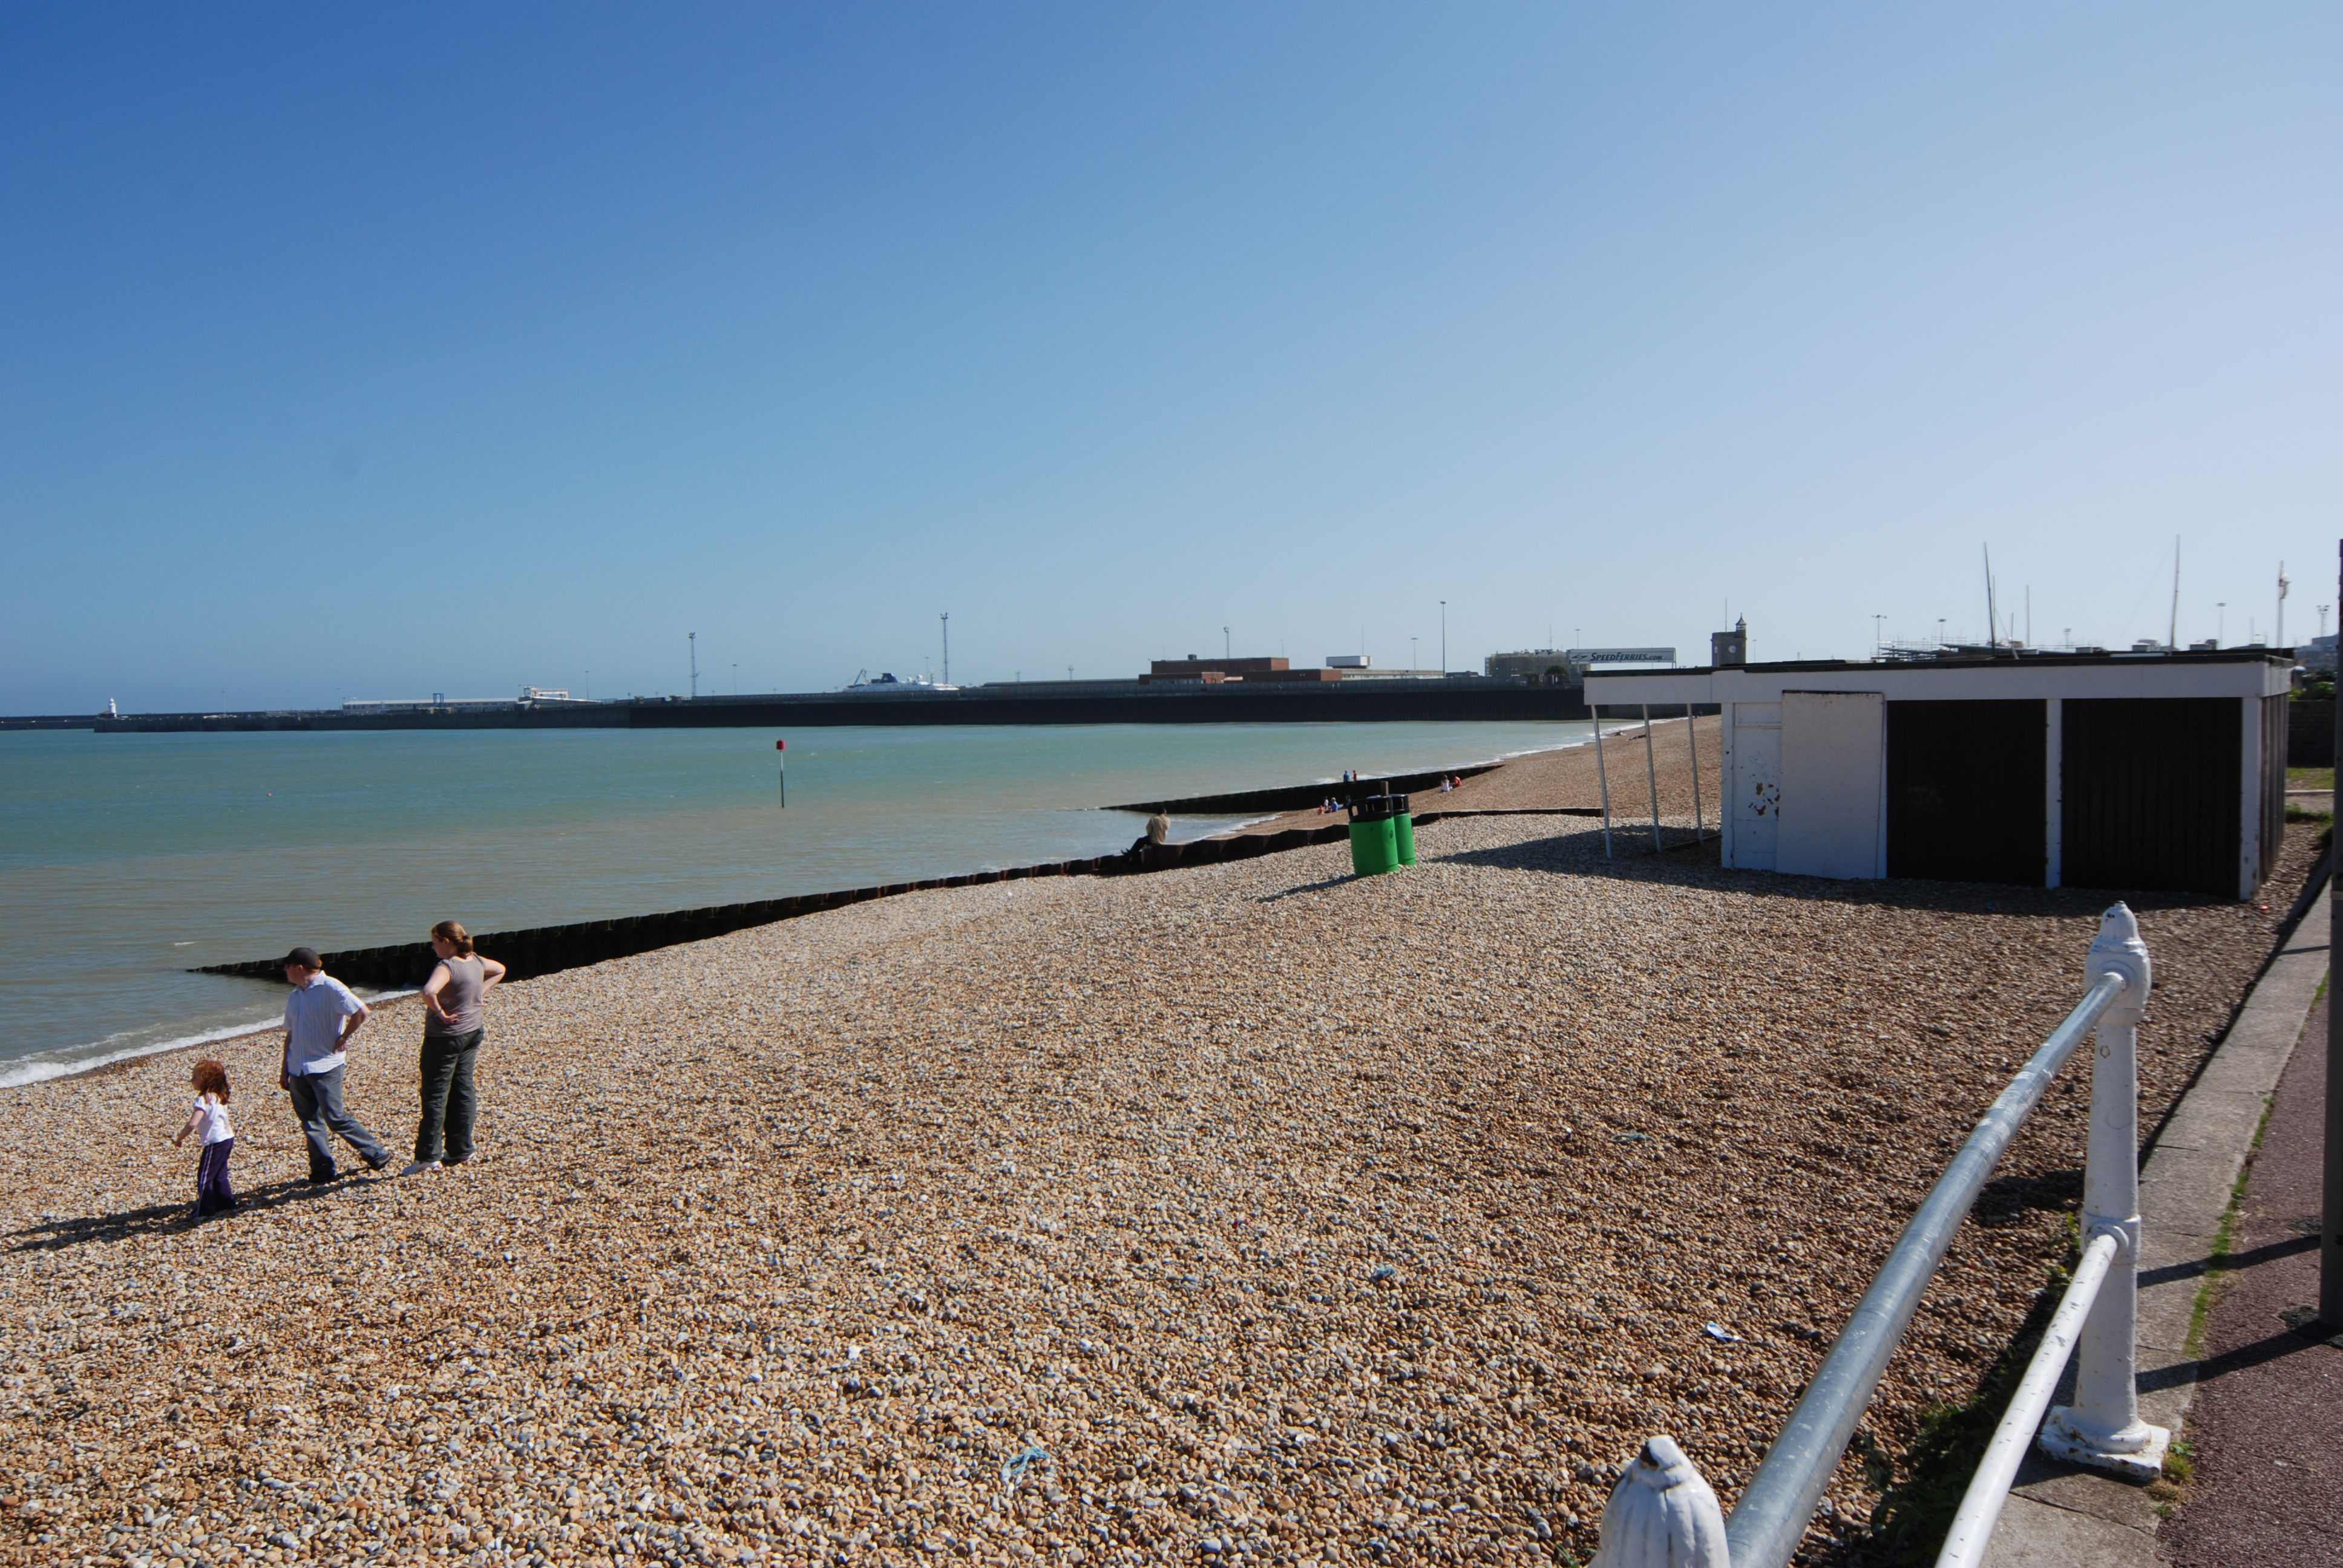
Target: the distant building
(437, 702)
(2318, 653)
(1569, 665)
(1350, 661)
(1530, 664)
(1730, 649)
(1214, 671)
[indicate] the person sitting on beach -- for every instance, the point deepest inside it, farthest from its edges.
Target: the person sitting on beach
(210, 1118)
(453, 1025)
(320, 1017)
(1159, 828)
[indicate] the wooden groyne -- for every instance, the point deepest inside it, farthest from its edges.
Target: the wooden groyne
(546, 950)
(1302, 797)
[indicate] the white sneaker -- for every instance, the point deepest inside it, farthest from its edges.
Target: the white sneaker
(419, 1167)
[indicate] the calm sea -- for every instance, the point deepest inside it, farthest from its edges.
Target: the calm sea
(128, 858)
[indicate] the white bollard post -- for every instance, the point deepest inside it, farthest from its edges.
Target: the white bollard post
(1661, 1514)
(2101, 1428)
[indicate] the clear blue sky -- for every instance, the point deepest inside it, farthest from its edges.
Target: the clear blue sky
(373, 351)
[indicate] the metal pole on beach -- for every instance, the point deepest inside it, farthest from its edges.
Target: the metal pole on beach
(1652, 775)
(783, 748)
(2330, 1224)
(1692, 738)
(1603, 777)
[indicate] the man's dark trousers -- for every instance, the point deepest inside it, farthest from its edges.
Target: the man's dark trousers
(449, 1101)
(318, 1101)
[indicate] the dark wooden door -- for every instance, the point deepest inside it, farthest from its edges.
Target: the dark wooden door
(1965, 791)
(2153, 788)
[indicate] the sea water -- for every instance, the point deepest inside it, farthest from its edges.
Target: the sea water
(127, 859)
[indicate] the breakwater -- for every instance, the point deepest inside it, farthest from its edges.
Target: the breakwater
(1302, 797)
(1458, 700)
(546, 950)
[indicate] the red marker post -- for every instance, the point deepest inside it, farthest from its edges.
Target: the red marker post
(783, 747)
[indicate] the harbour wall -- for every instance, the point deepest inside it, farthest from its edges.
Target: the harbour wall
(1457, 701)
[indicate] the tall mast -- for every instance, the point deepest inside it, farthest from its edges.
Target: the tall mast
(2172, 637)
(1992, 614)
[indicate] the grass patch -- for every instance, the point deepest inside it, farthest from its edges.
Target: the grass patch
(1914, 1512)
(2310, 778)
(2217, 1258)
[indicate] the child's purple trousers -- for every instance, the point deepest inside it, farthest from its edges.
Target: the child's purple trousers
(212, 1194)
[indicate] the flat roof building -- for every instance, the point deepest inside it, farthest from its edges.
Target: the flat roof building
(2147, 772)
(1214, 671)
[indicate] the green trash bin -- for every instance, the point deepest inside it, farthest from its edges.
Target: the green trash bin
(1372, 848)
(1383, 835)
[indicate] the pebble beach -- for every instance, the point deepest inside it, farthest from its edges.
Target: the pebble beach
(1249, 1213)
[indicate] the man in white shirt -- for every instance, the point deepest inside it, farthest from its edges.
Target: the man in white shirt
(320, 1017)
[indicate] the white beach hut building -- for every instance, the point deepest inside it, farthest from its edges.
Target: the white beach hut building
(2148, 771)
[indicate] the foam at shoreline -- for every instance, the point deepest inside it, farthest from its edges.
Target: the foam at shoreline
(18, 1072)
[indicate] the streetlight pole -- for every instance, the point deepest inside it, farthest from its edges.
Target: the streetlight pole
(946, 620)
(693, 637)
(1443, 639)
(1225, 653)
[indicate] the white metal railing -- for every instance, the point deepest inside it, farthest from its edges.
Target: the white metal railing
(1652, 772)
(1662, 1514)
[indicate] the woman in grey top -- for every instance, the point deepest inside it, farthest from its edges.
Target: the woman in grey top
(452, 1027)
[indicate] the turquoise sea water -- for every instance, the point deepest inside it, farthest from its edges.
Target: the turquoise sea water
(124, 859)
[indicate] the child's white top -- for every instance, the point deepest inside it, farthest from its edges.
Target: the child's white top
(217, 1128)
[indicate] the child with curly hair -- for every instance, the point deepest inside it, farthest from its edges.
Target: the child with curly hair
(209, 1116)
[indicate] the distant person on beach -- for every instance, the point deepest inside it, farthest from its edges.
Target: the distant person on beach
(453, 1024)
(210, 1118)
(320, 1017)
(1159, 828)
